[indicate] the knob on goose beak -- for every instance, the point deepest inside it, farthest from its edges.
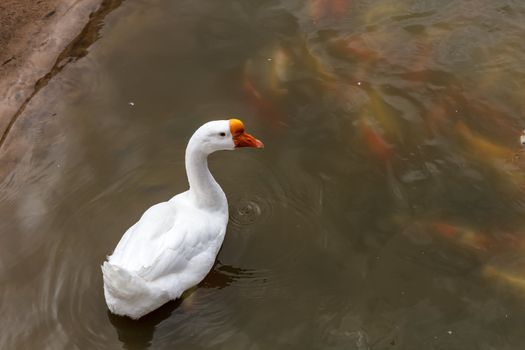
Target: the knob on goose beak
(241, 138)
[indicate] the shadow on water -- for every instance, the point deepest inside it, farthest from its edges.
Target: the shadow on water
(138, 334)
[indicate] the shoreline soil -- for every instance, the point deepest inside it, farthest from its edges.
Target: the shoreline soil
(33, 38)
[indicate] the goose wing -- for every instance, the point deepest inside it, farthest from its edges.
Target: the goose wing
(160, 230)
(164, 240)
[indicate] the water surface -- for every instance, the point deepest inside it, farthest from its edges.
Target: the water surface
(386, 211)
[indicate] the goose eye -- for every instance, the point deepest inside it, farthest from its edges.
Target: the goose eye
(222, 134)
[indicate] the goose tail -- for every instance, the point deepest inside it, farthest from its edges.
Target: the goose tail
(127, 294)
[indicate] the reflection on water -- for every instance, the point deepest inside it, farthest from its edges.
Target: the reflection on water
(138, 334)
(386, 210)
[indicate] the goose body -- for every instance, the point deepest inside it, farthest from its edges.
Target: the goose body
(175, 243)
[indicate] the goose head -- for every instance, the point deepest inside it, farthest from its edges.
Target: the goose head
(223, 135)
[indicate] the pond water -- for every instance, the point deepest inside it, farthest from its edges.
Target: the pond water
(386, 211)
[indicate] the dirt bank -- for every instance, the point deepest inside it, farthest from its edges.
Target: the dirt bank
(20, 20)
(33, 34)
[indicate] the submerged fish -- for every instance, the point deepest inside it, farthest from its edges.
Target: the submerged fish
(280, 71)
(375, 142)
(261, 97)
(354, 47)
(385, 114)
(514, 279)
(482, 241)
(382, 10)
(461, 235)
(510, 270)
(508, 162)
(438, 118)
(482, 146)
(329, 9)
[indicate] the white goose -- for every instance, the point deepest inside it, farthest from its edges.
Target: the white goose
(174, 244)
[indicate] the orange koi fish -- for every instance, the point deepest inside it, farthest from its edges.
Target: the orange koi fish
(461, 235)
(262, 105)
(375, 142)
(332, 9)
(514, 279)
(381, 10)
(437, 118)
(280, 63)
(354, 47)
(383, 112)
(482, 146)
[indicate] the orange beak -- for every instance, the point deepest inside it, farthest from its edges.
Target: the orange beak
(242, 139)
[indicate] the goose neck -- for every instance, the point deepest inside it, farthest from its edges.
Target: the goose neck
(204, 191)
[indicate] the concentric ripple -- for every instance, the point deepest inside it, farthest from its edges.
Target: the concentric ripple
(245, 211)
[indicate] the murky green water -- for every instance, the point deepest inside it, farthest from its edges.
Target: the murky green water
(386, 211)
